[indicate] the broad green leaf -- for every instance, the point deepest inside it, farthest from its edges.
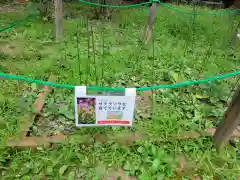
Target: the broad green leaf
(156, 163)
(144, 177)
(2, 123)
(154, 151)
(141, 150)
(1, 99)
(100, 170)
(209, 124)
(200, 96)
(62, 170)
(62, 109)
(127, 166)
(95, 36)
(28, 165)
(30, 5)
(69, 114)
(147, 159)
(167, 159)
(33, 86)
(49, 170)
(71, 175)
(26, 177)
(160, 153)
(174, 76)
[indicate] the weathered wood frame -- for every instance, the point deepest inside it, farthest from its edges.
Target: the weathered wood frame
(226, 129)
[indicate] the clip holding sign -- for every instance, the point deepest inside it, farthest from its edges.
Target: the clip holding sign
(130, 92)
(80, 90)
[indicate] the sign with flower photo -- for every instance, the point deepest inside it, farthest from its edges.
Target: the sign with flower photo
(104, 110)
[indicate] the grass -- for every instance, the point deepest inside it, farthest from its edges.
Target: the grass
(183, 49)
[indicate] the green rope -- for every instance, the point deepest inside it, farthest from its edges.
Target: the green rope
(114, 6)
(163, 4)
(200, 14)
(17, 23)
(95, 88)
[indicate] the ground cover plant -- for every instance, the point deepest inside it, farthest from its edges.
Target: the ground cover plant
(112, 53)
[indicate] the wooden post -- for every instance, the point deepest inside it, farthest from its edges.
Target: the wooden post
(152, 14)
(230, 122)
(59, 19)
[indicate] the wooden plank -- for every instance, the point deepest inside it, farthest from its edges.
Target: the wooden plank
(59, 19)
(38, 106)
(230, 122)
(33, 142)
(125, 139)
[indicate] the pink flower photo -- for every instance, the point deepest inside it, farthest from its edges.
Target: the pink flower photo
(86, 110)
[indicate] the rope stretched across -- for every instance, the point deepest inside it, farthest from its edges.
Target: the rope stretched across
(67, 86)
(163, 4)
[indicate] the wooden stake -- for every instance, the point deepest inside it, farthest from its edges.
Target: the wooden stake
(59, 19)
(230, 122)
(152, 14)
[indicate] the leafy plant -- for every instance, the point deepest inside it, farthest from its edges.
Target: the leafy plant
(111, 53)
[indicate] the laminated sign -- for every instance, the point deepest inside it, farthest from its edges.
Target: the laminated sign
(97, 110)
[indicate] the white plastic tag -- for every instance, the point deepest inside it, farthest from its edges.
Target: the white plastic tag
(104, 110)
